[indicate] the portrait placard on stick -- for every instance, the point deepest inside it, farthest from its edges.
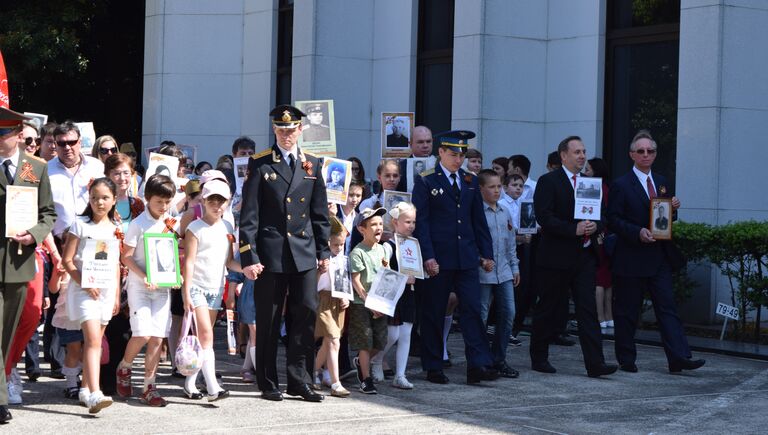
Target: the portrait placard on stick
(87, 137)
(341, 285)
(589, 197)
(527, 217)
(386, 289)
(318, 134)
(337, 174)
(389, 199)
(661, 218)
(241, 172)
(396, 133)
(415, 166)
(101, 260)
(162, 164)
(408, 253)
(161, 252)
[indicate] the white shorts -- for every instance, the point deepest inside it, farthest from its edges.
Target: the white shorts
(82, 307)
(150, 311)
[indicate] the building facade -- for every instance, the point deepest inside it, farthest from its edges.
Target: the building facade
(522, 74)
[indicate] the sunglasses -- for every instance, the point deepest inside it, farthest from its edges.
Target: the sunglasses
(644, 151)
(67, 143)
(105, 151)
(30, 140)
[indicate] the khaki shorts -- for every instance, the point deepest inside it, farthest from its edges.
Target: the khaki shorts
(365, 332)
(330, 316)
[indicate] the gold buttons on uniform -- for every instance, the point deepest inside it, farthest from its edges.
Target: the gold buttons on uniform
(302, 233)
(459, 237)
(289, 234)
(458, 205)
(289, 217)
(459, 220)
(303, 215)
(301, 200)
(288, 200)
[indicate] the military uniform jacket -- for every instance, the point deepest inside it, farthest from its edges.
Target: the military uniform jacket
(284, 218)
(33, 172)
(455, 233)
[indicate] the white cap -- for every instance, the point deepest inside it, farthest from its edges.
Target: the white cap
(212, 174)
(216, 187)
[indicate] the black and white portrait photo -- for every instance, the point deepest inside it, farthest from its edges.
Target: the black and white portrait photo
(661, 218)
(386, 289)
(315, 128)
(341, 284)
(166, 257)
(527, 218)
(396, 132)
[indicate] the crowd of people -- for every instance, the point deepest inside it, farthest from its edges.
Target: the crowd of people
(277, 252)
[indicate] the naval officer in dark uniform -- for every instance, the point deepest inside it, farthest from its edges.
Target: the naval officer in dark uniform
(284, 233)
(455, 240)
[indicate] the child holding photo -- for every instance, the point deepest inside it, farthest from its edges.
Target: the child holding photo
(400, 325)
(93, 308)
(208, 252)
(330, 317)
(149, 305)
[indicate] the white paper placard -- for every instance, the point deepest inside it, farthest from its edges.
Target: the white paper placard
(341, 284)
(101, 259)
(727, 311)
(386, 289)
(589, 197)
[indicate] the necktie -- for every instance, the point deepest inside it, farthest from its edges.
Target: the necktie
(292, 161)
(455, 182)
(574, 181)
(7, 169)
(651, 190)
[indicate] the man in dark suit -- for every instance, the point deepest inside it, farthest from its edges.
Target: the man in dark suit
(566, 259)
(421, 146)
(17, 253)
(284, 233)
(641, 263)
(455, 240)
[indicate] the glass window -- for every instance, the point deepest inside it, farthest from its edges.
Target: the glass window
(638, 13)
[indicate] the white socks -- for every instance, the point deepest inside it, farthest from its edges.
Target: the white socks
(403, 348)
(209, 371)
(446, 329)
(148, 382)
(189, 383)
(250, 358)
(70, 373)
(391, 340)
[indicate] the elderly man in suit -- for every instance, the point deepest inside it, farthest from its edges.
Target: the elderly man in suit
(642, 263)
(284, 233)
(566, 259)
(17, 252)
(455, 240)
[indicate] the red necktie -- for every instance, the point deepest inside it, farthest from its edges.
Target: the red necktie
(651, 190)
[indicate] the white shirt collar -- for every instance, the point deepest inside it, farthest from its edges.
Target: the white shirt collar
(642, 176)
(285, 153)
(447, 172)
(13, 158)
(568, 173)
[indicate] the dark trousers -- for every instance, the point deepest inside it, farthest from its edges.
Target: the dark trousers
(553, 290)
(269, 294)
(628, 299)
(466, 284)
(12, 297)
(32, 355)
(525, 292)
(48, 331)
(118, 332)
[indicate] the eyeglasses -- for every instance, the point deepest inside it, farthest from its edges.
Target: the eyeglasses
(30, 140)
(642, 151)
(105, 151)
(67, 143)
(125, 174)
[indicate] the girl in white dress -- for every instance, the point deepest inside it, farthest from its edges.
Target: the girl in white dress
(93, 308)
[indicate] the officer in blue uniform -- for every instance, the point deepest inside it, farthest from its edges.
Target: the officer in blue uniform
(455, 240)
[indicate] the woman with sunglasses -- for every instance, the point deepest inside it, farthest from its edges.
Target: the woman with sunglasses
(104, 147)
(31, 139)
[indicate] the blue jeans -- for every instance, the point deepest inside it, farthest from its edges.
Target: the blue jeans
(504, 297)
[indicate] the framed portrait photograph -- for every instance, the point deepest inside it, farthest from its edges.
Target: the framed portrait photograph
(318, 135)
(87, 137)
(241, 173)
(386, 289)
(389, 199)
(162, 164)
(161, 252)
(337, 174)
(396, 133)
(527, 217)
(589, 198)
(408, 252)
(415, 166)
(38, 118)
(101, 263)
(341, 283)
(661, 218)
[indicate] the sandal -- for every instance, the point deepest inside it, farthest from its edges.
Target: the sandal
(193, 396)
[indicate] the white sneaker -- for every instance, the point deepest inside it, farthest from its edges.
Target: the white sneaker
(98, 401)
(83, 395)
(610, 323)
(402, 383)
(603, 325)
(377, 372)
(14, 394)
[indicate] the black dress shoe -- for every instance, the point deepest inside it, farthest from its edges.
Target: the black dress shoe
(5, 414)
(562, 340)
(305, 392)
(686, 364)
(629, 367)
(506, 371)
(601, 370)
(273, 395)
(437, 377)
(447, 363)
(543, 367)
(477, 374)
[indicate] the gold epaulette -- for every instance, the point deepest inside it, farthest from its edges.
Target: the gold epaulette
(310, 154)
(261, 154)
(428, 172)
(34, 157)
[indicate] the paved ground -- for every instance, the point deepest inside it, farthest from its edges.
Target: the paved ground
(728, 395)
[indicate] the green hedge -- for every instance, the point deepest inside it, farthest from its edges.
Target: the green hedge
(740, 251)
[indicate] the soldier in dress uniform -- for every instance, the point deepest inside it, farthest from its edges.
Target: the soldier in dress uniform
(455, 240)
(17, 253)
(315, 131)
(284, 233)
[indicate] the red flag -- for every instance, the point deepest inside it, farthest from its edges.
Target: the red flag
(4, 97)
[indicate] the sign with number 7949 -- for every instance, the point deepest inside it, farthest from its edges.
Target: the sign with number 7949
(727, 311)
